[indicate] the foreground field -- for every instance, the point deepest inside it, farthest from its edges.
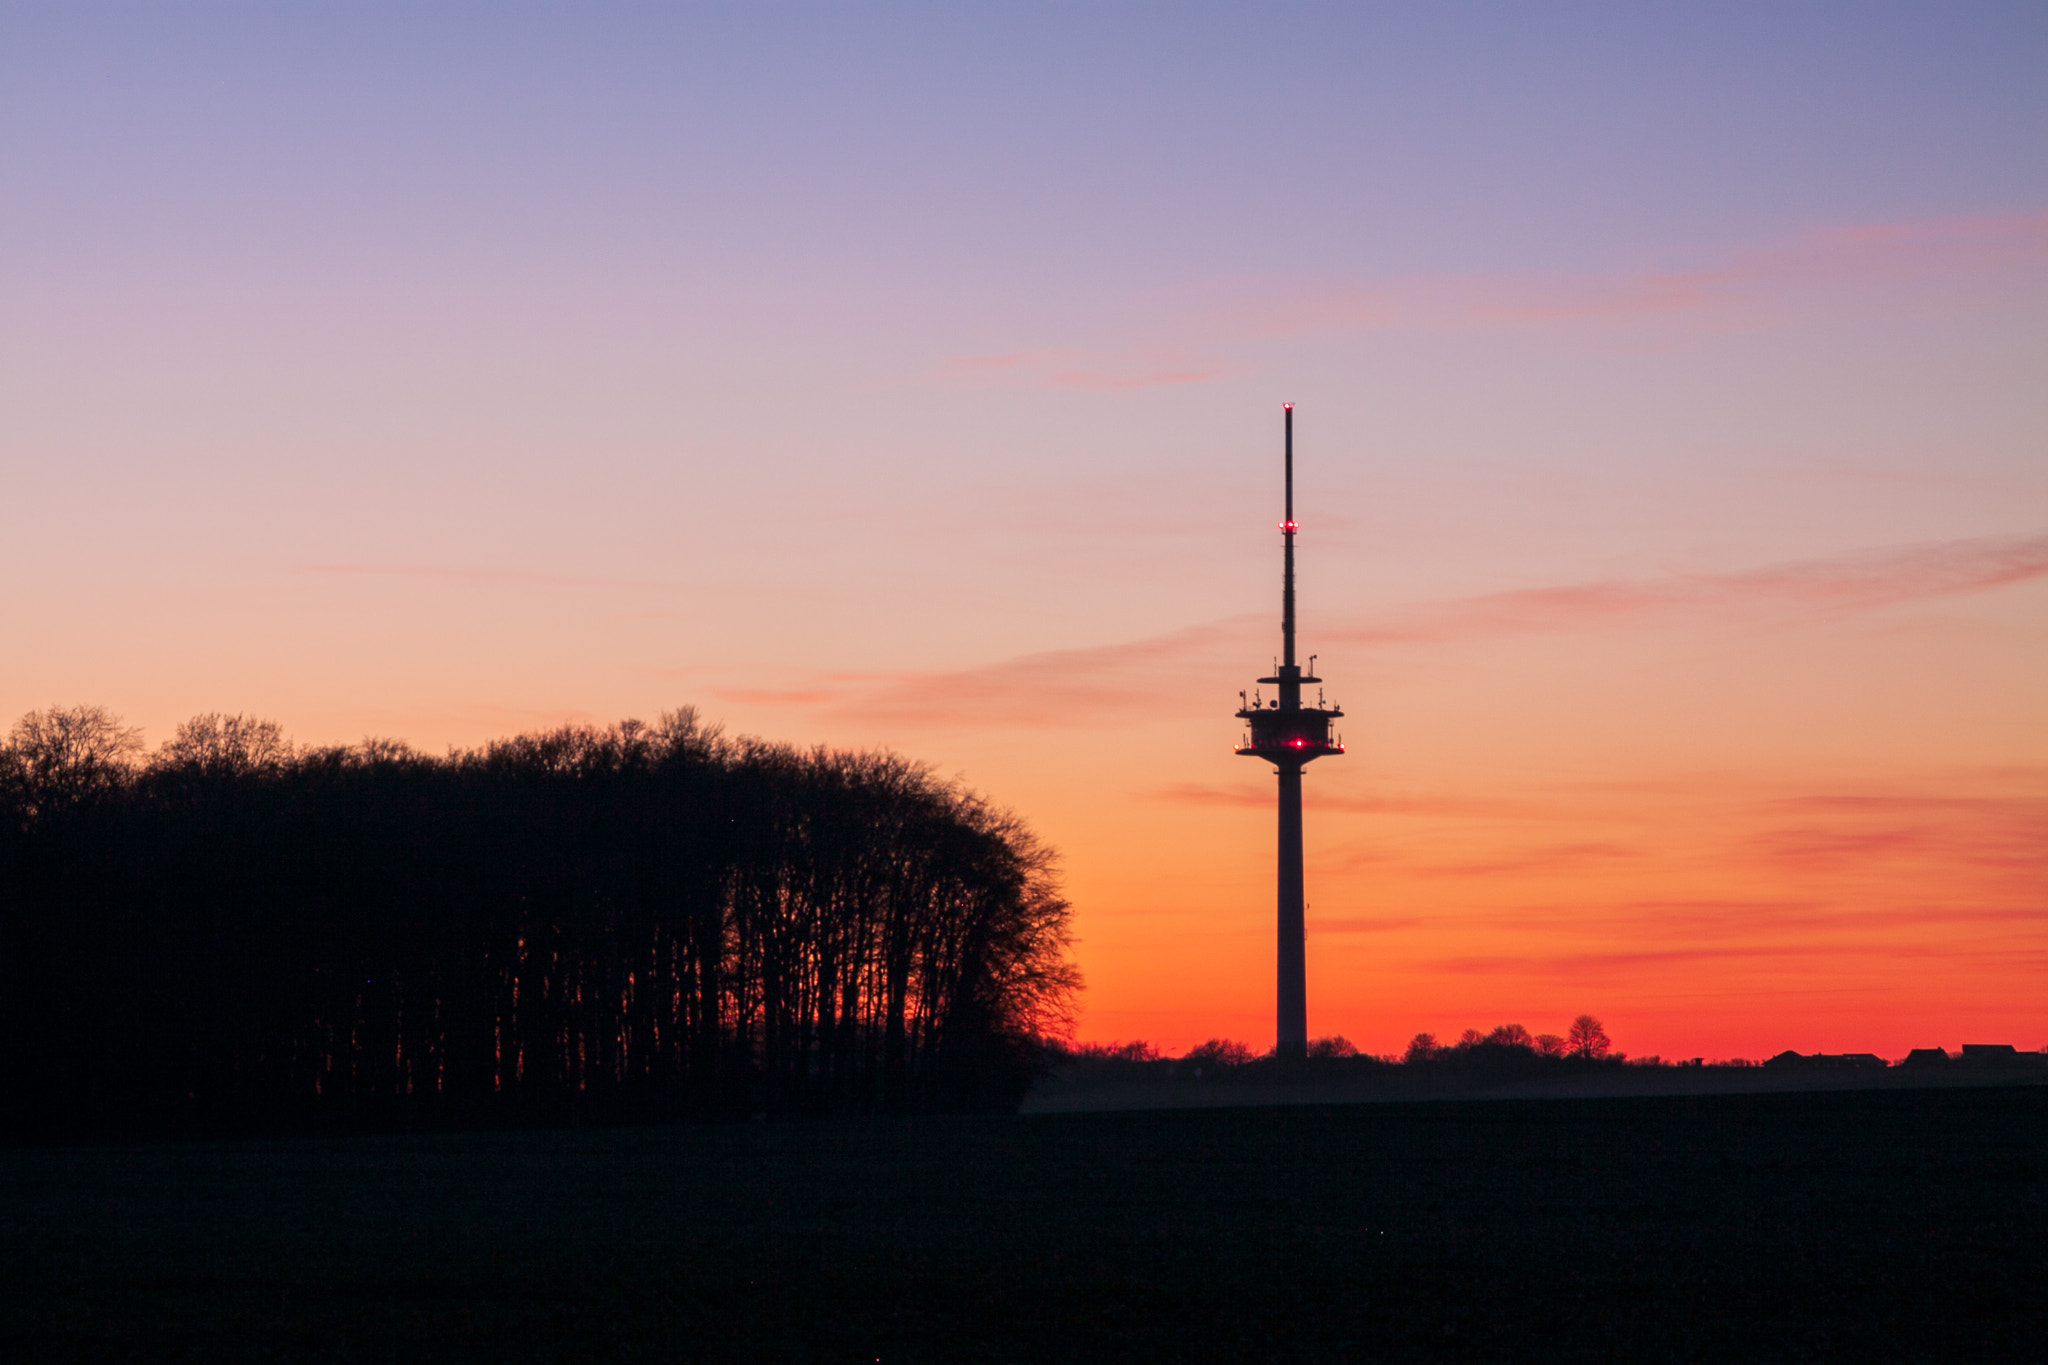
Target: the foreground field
(1097, 1086)
(1853, 1226)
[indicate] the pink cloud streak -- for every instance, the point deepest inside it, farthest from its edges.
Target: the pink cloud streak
(1588, 964)
(1856, 255)
(1261, 797)
(1067, 368)
(448, 573)
(1220, 314)
(1047, 688)
(1076, 687)
(1851, 582)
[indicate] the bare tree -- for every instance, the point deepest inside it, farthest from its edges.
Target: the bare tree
(1511, 1035)
(220, 745)
(1422, 1047)
(1219, 1052)
(1587, 1038)
(683, 734)
(61, 756)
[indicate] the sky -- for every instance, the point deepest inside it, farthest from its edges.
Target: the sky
(1671, 435)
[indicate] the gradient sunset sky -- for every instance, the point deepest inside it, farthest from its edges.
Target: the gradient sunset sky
(1672, 432)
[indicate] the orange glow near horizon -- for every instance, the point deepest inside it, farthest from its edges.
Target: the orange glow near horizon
(1582, 799)
(1706, 917)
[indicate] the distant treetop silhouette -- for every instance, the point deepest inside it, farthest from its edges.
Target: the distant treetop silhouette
(637, 920)
(1587, 1038)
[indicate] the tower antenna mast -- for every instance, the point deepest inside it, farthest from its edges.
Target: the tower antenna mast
(1290, 736)
(1287, 530)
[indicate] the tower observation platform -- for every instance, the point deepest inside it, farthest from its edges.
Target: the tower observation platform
(1290, 736)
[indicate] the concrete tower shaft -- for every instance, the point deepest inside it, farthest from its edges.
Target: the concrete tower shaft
(1289, 735)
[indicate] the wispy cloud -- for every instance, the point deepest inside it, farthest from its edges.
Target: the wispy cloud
(1550, 858)
(452, 573)
(2034, 808)
(1056, 687)
(1111, 378)
(1710, 924)
(486, 576)
(1946, 905)
(1628, 960)
(1080, 687)
(1855, 256)
(1362, 925)
(1983, 840)
(1070, 368)
(1011, 360)
(1839, 583)
(767, 696)
(1209, 321)
(1203, 794)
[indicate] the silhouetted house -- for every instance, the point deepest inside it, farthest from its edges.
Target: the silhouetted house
(2003, 1056)
(1827, 1060)
(1980, 1056)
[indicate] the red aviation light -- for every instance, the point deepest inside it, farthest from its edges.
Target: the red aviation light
(1287, 407)
(1290, 526)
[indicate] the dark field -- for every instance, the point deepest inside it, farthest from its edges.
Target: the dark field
(1849, 1226)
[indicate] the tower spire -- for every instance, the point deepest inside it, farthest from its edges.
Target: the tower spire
(1287, 529)
(1289, 736)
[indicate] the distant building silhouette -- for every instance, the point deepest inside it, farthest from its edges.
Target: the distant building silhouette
(1827, 1060)
(1289, 736)
(2003, 1056)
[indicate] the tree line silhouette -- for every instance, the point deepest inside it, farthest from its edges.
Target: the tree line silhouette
(1586, 1039)
(635, 921)
(1509, 1049)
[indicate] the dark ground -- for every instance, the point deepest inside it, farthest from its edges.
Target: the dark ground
(1097, 1085)
(1861, 1226)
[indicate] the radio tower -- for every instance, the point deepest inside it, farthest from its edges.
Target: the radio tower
(1289, 736)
